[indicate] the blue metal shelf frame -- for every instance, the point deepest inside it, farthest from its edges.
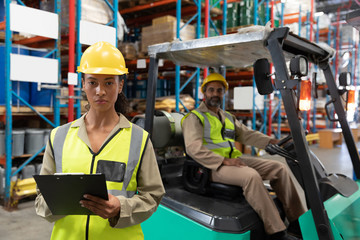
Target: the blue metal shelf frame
(307, 25)
(8, 95)
(196, 75)
(264, 112)
(78, 48)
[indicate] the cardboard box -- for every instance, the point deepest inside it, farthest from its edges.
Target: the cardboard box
(128, 50)
(167, 18)
(164, 32)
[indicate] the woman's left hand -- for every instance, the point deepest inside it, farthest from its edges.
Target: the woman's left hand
(104, 208)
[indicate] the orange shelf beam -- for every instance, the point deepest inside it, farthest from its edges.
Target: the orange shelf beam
(2, 25)
(294, 20)
(241, 75)
(32, 40)
(40, 41)
(185, 11)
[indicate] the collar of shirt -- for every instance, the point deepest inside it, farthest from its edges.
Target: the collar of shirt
(82, 134)
(203, 108)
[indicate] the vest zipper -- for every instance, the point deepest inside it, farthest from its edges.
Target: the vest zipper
(232, 149)
(91, 170)
(223, 136)
(87, 227)
(88, 216)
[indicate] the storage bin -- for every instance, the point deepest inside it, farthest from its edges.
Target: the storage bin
(2, 179)
(44, 97)
(2, 142)
(38, 168)
(18, 138)
(34, 140)
(28, 171)
(46, 135)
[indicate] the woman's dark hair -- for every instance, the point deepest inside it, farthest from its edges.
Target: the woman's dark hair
(122, 104)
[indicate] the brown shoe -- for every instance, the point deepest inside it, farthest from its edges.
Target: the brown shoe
(283, 236)
(294, 229)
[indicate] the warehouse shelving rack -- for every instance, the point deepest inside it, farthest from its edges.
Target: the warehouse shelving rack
(57, 105)
(208, 22)
(196, 74)
(8, 96)
(113, 22)
(267, 114)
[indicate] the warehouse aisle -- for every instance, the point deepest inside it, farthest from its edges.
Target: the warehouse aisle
(24, 224)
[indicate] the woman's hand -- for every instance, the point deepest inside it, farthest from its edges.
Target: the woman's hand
(103, 208)
(234, 162)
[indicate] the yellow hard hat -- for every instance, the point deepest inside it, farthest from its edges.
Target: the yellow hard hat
(102, 58)
(214, 77)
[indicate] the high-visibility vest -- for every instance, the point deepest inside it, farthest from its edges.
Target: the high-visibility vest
(119, 159)
(217, 137)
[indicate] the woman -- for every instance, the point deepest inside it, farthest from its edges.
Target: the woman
(104, 141)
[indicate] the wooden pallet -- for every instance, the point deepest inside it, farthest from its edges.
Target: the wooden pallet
(235, 29)
(15, 37)
(26, 110)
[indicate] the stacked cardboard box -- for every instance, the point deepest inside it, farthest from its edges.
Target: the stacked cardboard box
(163, 29)
(167, 103)
(128, 50)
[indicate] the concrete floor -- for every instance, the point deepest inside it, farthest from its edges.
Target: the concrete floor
(25, 224)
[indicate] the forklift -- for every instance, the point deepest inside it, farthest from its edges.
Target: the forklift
(193, 208)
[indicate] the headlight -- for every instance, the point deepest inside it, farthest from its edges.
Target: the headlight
(345, 79)
(299, 66)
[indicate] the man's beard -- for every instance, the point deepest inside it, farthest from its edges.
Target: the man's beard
(213, 102)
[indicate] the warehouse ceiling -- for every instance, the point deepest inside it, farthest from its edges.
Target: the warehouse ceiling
(332, 6)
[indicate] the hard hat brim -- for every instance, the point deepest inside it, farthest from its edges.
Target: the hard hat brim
(225, 84)
(104, 70)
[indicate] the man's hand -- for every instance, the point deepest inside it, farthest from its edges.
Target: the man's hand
(234, 162)
(104, 208)
(274, 141)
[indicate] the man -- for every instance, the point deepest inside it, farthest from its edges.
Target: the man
(210, 134)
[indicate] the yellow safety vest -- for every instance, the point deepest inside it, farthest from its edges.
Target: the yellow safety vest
(119, 159)
(217, 137)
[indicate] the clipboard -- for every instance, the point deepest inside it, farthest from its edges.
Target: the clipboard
(62, 193)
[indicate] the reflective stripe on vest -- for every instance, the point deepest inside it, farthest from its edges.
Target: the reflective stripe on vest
(58, 144)
(220, 141)
(133, 158)
(125, 148)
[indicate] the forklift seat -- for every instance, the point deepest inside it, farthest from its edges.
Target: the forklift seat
(196, 179)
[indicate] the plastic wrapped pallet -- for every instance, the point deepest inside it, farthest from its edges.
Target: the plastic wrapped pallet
(96, 11)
